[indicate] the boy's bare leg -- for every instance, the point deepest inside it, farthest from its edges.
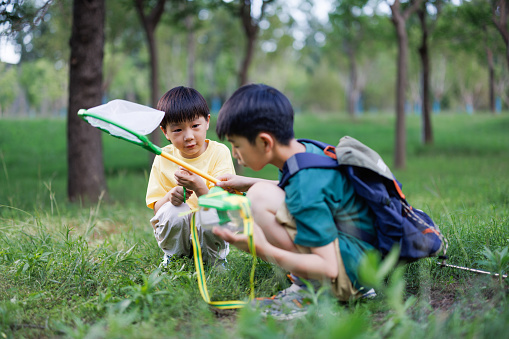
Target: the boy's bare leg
(265, 200)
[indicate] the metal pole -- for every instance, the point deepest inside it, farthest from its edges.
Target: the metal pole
(472, 270)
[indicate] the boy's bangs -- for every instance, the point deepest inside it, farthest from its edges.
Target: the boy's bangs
(182, 117)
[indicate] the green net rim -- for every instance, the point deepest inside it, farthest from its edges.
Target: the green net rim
(143, 140)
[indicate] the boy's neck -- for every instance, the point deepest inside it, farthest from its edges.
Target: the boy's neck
(284, 152)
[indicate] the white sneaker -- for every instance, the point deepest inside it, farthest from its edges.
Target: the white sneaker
(166, 261)
(369, 294)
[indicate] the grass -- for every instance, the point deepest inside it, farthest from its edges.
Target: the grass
(75, 270)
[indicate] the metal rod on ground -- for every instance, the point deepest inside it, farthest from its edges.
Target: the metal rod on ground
(472, 270)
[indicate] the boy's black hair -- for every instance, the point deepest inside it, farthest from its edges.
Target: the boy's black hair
(253, 109)
(182, 104)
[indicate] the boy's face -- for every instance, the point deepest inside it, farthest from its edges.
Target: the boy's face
(247, 154)
(189, 136)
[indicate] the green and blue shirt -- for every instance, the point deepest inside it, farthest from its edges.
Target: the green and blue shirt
(322, 201)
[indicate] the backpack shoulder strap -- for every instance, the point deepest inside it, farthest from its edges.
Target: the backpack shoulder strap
(320, 144)
(304, 160)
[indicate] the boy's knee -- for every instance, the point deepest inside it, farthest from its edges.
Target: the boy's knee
(169, 217)
(262, 191)
(265, 197)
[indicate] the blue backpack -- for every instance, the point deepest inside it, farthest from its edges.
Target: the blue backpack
(396, 222)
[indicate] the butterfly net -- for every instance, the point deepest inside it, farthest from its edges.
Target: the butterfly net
(124, 119)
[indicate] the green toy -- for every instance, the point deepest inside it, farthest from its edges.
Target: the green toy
(234, 213)
(228, 207)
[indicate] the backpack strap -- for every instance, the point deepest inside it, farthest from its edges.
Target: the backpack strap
(304, 160)
(322, 145)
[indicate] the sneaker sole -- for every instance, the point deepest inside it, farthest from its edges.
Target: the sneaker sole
(290, 316)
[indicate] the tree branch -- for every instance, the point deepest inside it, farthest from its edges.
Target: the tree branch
(501, 23)
(414, 5)
(157, 12)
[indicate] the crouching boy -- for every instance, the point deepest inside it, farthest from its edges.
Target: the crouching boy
(296, 228)
(172, 190)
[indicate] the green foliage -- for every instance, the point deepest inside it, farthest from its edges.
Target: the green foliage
(308, 61)
(497, 262)
(9, 90)
(141, 296)
(373, 271)
(329, 95)
(130, 78)
(31, 262)
(42, 81)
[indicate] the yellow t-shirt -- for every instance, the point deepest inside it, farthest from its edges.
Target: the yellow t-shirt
(216, 160)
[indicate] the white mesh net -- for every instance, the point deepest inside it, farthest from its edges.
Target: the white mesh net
(138, 118)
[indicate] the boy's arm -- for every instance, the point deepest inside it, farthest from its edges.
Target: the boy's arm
(155, 187)
(175, 196)
(320, 263)
(238, 182)
(225, 173)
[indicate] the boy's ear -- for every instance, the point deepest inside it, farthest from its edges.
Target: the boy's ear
(208, 121)
(267, 141)
(164, 131)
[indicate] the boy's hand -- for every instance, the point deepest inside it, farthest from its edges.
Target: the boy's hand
(191, 181)
(176, 195)
(232, 182)
(240, 240)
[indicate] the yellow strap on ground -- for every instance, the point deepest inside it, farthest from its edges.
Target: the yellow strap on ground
(200, 272)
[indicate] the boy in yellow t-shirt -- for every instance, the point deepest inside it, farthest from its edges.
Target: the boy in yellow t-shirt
(185, 125)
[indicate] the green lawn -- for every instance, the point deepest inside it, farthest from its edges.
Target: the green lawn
(73, 270)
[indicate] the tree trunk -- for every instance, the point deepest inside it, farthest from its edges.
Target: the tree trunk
(154, 88)
(86, 180)
(399, 20)
(427, 131)
(353, 90)
(251, 31)
(400, 146)
(500, 13)
(191, 51)
(246, 62)
(149, 25)
(154, 69)
(491, 76)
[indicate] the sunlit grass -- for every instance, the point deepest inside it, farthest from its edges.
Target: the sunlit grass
(77, 270)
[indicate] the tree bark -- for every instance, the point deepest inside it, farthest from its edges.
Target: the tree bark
(353, 88)
(400, 146)
(149, 23)
(191, 50)
(251, 31)
(500, 12)
(399, 19)
(86, 180)
(427, 131)
(491, 79)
